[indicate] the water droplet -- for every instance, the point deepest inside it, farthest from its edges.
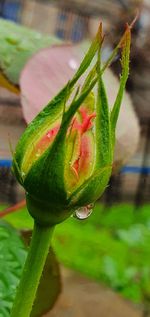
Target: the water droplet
(48, 135)
(83, 212)
(73, 64)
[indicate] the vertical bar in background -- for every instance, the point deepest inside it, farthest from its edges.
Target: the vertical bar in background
(87, 26)
(114, 192)
(33, 12)
(143, 189)
(8, 185)
(2, 2)
(53, 13)
(79, 28)
(28, 12)
(11, 10)
(75, 29)
(61, 24)
(69, 25)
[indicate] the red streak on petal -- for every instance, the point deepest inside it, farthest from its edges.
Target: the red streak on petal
(81, 164)
(75, 171)
(46, 140)
(86, 124)
(82, 161)
(86, 121)
(85, 157)
(76, 166)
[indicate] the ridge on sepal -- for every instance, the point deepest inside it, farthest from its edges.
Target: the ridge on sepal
(64, 158)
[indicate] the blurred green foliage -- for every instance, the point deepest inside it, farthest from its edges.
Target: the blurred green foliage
(111, 246)
(12, 257)
(17, 44)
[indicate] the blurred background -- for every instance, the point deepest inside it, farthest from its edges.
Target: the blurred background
(117, 236)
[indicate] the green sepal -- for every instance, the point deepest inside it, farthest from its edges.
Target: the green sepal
(125, 58)
(91, 189)
(47, 213)
(104, 154)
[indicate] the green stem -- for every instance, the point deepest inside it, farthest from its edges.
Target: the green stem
(32, 271)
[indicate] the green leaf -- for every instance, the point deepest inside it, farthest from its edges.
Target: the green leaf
(125, 45)
(104, 150)
(13, 253)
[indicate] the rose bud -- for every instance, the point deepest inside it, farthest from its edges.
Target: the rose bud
(64, 158)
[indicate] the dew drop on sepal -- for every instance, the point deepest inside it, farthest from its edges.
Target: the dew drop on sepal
(83, 212)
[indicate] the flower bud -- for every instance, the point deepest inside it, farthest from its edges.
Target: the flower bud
(64, 158)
